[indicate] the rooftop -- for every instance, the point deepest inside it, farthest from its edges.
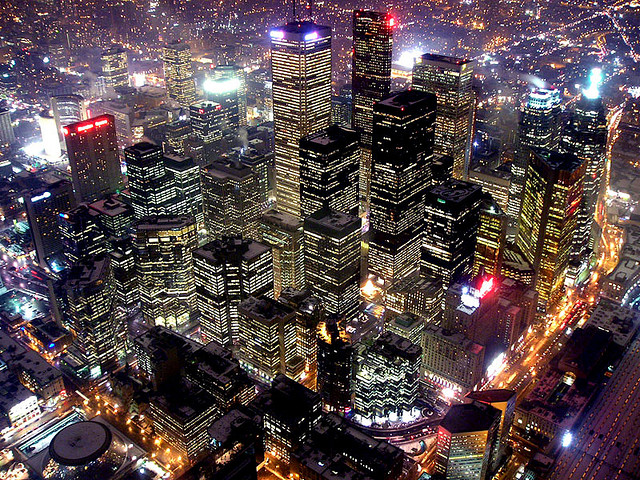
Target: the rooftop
(454, 191)
(470, 417)
(228, 249)
(332, 223)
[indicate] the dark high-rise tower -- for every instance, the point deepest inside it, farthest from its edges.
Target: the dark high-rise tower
(403, 129)
(539, 127)
(93, 157)
(452, 212)
(329, 162)
(371, 79)
(450, 80)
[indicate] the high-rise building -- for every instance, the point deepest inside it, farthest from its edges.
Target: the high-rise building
(386, 382)
(371, 80)
(226, 86)
(185, 175)
(115, 68)
(491, 240)
(403, 129)
(301, 72)
(7, 137)
(329, 163)
(178, 73)
(467, 442)
(451, 223)
(67, 109)
(165, 269)
(450, 80)
(586, 137)
(93, 157)
(335, 360)
(176, 133)
(151, 189)
(92, 317)
(207, 124)
(332, 260)
(231, 199)
(284, 234)
(407, 325)
(549, 217)
(227, 271)
(539, 127)
(82, 235)
(44, 203)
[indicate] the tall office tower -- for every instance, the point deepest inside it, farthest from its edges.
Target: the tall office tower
(176, 133)
(332, 260)
(310, 313)
(151, 189)
(238, 79)
(267, 339)
(539, 127)
(226, 86)
(178, 73)
(548, 218)
(301, 72)
(230, 196)
(185, 175)
(44, 202)
(115, 68)
(67, 109)
(114, 217)
(207, 124)
(123, 264)
(450, 80)
(7, 136)
(82, 236)
(403, 129)
(165, 269)
(329, 163)
(92, 317)
(335, 360)
(370, 80)
(491, 240)
(386, 382)
(227, 271)
(451, 219)
(93, 157)
(586, 137)
(284, 234)
(467, 441)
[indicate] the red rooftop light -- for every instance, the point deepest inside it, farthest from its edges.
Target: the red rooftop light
(85, 127)
(99, 123)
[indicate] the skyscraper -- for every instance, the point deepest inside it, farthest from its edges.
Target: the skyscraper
(539, 127)
(548, 218)
(227, 87)
(371, 80)
(335, 363)
(227, 271)
(403, 129)
(7, 137)
(450, 227)
(231, 200)
(284, 234)
(185, 175)
(115, 68)
(67, 109)
(491, 240)
(332, 260)
(329, 163)
(178, 73)
(93, 157)
(450, 80)
(165, 269)
(301, 71)
(82, 236)
(207, 123)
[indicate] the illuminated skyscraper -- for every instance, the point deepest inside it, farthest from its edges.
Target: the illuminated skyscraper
(332, 260)
(403, 129)
(335, 363)
(450, 228)
(185, 175)
(301, 71)
(371, 80)
(549, 217)
(227, 86)
(207, 120)
(231, 200)
(175, 135)
(93, 157)
(82, 236)
(329, 163)
(586, 137)
(284, 234)
(491, 239)
(227, 271)
(115, 68)
(7, 137)
(539, 127)
(67, 109)
(178, 73)
(165, 269)
(450, 80)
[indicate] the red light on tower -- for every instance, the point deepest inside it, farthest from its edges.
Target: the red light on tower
(100, 123)
(85, 127)
(391, 22)
(486, 286)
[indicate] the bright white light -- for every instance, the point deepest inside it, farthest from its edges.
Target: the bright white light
(567, 438)
(311, 36)
(496, 366)
(221, 86)
(139, 79)
(408, 57)
(45, 60)
(34, 149)
(595, 80)
(448, 393)
(277, 34)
